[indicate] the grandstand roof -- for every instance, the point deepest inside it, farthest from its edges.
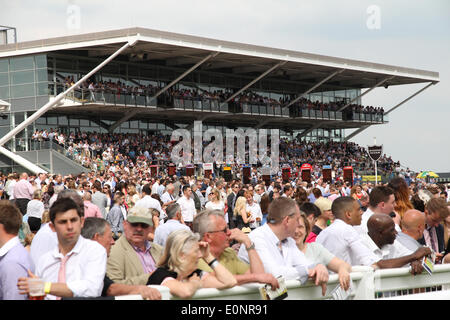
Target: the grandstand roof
(173, 49)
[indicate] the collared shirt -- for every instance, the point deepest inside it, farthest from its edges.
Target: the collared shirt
(362, 228)
(149, 203)
(167, 197)
(15, 262)
(35, 208)
(388, 251)
(255, 211)
(146, 258)
(91, 210)
(408, 242)
(187, 208)
(85, 269)
(342, 240)
(287, 261)
(23, 190)
(431, 239)
(163, 231)
(44, 241)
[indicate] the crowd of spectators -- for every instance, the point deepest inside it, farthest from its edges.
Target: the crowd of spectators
(198, 94)
(135, 152)
(236, 223)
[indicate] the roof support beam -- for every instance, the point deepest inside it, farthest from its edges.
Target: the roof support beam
(366, 92)
(318, 125)
(390, 110)
(314, 87)
(55, 102)
(133, 113)
(279, 64)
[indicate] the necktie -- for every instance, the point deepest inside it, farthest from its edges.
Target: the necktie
(62, 270)
(432, 233)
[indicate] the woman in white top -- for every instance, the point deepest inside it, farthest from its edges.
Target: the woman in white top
(254, 209)
(35, 209)
(316, 253)
(215, 202)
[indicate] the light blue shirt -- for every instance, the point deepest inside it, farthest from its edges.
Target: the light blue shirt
(15, 262)
(164, 230)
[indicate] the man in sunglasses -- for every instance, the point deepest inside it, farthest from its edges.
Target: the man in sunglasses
(213, 229)
(133, 258)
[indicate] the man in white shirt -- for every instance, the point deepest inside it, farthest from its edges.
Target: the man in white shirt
(342, 240)
(173, 223)
(187, 205)
(278, 250)
(413, 225)
(155, 187)
(148, 202)
(77, 266)
(168, 197)
(381, 200)
(381, 240)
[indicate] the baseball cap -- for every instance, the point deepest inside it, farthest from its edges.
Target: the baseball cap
(139, 214)
(323, 204)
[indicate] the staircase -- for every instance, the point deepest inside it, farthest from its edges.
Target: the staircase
(52, 157)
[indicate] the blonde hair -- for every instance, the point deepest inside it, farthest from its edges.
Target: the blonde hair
(241, 203)
(216, 192)
(178, 243)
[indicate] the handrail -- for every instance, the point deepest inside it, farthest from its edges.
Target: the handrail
(366, 284)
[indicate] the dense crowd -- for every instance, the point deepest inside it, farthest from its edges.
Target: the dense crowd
(191, 232)
(135, 153)
(246, 97)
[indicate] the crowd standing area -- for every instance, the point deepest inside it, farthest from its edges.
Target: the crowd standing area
(119, 228)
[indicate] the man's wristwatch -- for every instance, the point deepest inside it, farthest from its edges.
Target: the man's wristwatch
(252, 246)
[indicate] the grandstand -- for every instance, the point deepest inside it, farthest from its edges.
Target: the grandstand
(144, 81)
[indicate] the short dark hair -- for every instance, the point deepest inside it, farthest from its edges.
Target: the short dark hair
(146, 189)
(97, 185)
(341, 205)
(310, 208)
(93, 225)
(62, 205)
(10, 217)
(185, 187)
(379, 194)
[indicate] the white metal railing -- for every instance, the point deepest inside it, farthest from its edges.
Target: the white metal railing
(367, 284)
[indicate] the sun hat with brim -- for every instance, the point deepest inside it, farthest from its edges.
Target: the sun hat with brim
(323, 204)
(140, 215)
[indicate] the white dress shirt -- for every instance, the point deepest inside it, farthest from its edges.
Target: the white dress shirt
(255, 211)
(290, 262)
(187, 208)
(85, 269)
(163, 231)
(167, 197)
(342, 240)
(151, 203)
(362, 228)
(388, 251)
(44, 241)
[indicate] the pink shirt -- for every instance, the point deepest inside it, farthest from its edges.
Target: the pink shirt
(23, 190)
(91, 210)
(146, 258)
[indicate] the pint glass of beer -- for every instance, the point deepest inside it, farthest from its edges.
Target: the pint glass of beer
(36, 289)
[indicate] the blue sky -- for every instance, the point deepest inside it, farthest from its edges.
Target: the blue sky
(412, 34)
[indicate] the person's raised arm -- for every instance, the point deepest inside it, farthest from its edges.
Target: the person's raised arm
(221, 278)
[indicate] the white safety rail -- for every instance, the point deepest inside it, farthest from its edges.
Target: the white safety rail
(367, 284)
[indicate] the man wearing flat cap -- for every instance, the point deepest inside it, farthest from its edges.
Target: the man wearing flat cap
(133, 257)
